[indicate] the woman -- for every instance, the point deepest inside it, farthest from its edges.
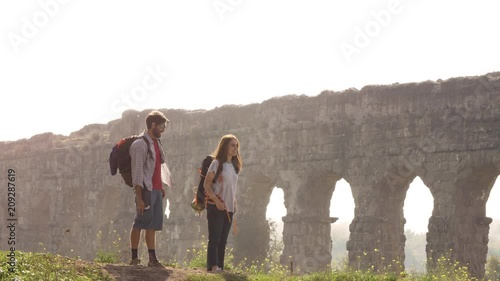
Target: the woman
(220, 187)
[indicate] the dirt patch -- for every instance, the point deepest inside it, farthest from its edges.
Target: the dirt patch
(144, 273)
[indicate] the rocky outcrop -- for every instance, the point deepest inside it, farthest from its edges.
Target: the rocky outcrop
(378, 139)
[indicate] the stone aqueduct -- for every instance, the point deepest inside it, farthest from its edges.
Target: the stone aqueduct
(378, 139)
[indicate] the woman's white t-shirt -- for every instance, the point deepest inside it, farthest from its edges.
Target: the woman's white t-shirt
(228, 185)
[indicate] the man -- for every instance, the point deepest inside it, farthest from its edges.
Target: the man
(149, 170)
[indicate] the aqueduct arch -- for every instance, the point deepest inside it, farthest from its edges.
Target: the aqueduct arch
(378, 139)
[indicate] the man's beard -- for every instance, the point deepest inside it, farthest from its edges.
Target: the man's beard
(156, 133)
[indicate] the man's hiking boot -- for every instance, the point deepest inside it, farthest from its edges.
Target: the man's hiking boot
(135, 262)
(155, 264)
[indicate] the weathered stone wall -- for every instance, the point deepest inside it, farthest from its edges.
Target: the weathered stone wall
(378, 139)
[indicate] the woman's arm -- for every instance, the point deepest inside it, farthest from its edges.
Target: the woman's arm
(207, 185)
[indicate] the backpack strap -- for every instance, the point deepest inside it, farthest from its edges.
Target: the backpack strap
(162, 151)
(149, 146)
(218, 172)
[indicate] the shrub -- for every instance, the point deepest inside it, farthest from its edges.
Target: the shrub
(493, 268)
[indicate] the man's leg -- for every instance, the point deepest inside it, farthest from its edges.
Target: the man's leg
(140, 221)
(135, 237)
(155, 225)
(151, 243)
(150, 238)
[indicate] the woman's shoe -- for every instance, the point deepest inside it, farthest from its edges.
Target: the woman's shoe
(215, 269)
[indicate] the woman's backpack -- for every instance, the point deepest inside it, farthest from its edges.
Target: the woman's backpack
(200, 198)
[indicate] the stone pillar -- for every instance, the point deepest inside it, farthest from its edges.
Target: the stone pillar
(472, 226)
(377, 235)
(459, 228)
(181, 237)
(184, 231)
(306, 232)
(377, 243)
(440, 235)
(308, 245)
(254, 191)
(252, 239)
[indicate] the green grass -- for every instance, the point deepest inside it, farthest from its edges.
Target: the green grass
(41, 266)
(445, 270)
(320, 276)
(106, 257)
(44, 266)
(324, 276)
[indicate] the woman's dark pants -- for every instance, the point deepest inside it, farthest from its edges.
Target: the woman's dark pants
(218, 231)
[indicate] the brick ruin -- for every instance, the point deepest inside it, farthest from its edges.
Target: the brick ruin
(378, 139)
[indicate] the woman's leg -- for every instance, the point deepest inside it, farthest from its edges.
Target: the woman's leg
(215, 221)
(223, 241)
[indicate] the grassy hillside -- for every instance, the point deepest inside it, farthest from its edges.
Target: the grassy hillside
(44, 266)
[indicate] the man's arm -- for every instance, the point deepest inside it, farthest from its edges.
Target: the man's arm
(139, 201)
(138, 153)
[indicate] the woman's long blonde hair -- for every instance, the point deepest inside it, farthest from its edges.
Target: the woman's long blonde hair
(221, 152)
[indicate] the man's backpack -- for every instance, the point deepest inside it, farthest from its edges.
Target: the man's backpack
(200, 199)
(119, 158)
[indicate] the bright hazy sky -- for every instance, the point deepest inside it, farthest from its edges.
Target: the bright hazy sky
(66, 64)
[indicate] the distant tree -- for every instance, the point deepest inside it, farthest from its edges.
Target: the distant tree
(415, 251)
(493, 268)
(275, 243)
(494, 239)
(340, 236)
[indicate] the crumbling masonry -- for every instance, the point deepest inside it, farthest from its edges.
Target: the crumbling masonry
(378, 139)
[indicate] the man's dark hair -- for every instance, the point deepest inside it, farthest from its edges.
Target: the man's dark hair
(155, 117)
